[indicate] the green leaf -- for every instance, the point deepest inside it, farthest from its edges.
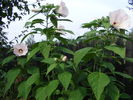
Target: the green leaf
(11, 76)
(64, 20)
(118, 50)
(46, 50)
(53, 19)
(49, 60)
(78, 94)
(51, 87)
(23, 90)
(32, 53)
(63, 49)
(40, 93)
(32, 70)
(108, 65)
(50, 68)
(27, 35)
(124, 75)
(65, 79)
(125, 96)
(78, 55)
(113, 92)
(129, 59)
(25, 87)
(43, 92)
(98, 81)
(36, 21)
(8, 59)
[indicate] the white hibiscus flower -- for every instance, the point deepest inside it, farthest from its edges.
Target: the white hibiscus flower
(120, 19)
(20, 49)
(62, 10)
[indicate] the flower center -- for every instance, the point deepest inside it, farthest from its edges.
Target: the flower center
(114, 23)
(20, 51)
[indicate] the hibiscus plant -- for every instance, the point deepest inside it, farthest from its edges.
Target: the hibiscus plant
(49, 71)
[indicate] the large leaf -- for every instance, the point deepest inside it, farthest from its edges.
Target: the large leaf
(113, 92)
(23, 90)
(98, 81)
(118, 50)
(51, 67)
(41, 93)
(51, 87)
(8, 59)
(32, 53)
(78, 55)
(45, 92)
(78, 94)
(11, 76)
(65, 79)
(25, 87)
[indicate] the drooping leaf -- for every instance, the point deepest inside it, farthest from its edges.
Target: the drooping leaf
(48, 60)
(63, 49)
(23, 90)
(78, 55)
(25, 87)
(41, 93)
(108, 65)
(124, 75)
(125, 96)
(51, 67)
(113, 92)
(65, 79)
(8, 59)
(78, 94)
(46, 50)
(32, 53)
(11, 76)
(118, 50)
(98, 81)
(51, 87)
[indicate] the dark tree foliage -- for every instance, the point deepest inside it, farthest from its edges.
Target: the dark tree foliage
(10, 10)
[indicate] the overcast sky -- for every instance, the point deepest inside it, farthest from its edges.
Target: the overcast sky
(80, 11)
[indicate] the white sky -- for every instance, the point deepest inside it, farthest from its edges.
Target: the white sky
(80, 11)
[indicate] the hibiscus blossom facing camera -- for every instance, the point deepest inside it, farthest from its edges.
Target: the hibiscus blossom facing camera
(20, 49)
(120, 19)
(62, 10)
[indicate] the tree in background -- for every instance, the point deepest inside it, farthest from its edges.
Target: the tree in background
(10, 10)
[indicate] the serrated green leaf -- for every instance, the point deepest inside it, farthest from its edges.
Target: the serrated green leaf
(11, 76)
(98, 81)
(78, 55)
(65, 79)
